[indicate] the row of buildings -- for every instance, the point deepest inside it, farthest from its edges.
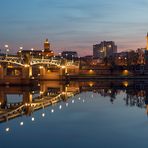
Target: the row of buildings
(103, 53)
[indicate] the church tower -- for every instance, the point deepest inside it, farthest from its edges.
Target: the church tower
(46, 45)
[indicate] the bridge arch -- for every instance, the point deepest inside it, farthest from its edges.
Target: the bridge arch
(12, 62)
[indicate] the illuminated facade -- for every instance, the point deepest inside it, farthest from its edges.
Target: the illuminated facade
(46, 53)
(104, 49)
(47, 46)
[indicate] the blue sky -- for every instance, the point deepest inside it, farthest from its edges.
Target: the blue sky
(73, 24)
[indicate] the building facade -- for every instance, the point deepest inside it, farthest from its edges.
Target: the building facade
(44, 53)
(47, 46)
(104, 50)
(69, 55)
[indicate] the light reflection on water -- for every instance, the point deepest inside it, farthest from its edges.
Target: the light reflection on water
(105, 114)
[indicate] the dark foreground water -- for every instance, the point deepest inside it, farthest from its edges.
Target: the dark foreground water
(89, 119)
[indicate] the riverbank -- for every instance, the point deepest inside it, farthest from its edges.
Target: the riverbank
(107, 77)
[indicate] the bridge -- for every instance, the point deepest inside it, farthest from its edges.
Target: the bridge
(29, 103)
(54, 92)
(20, 70)
(35, 61)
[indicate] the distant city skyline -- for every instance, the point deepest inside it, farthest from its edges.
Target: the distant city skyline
(73, 25)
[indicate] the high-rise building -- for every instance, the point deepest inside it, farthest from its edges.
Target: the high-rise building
(46, 45)
(104, 49)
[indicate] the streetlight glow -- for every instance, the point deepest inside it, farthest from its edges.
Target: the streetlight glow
(6, 46)
(52, 111)
(43, 114)
(21, 48)
(7, 129)
(33, 119)
(21, 123)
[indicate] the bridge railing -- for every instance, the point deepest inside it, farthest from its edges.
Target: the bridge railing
(45, 61)
(12, 59)
(35, 61)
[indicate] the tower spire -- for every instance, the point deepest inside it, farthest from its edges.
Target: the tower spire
(47, 45)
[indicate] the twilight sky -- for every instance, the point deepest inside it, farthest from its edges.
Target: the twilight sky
(73, 24)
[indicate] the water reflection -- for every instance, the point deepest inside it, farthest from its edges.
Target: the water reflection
(47, 94)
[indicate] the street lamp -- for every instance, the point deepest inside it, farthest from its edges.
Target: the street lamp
(42, 53)
(21, 48)
(6, 46)
(32, 49)
(20, 51)
(66, 55)
(7, 50)
(72, 58)
(60, 54)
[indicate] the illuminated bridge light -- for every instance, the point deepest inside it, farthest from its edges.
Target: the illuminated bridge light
(67, 104)
(32, 119)
(41, 67)
(21, 123)
(83, 100)
(63, 67)
(41, 92)
(79, 98)
(91, 84)
(43, 114)
(60, 107)
(6, 46)
(125, 84)
(26, 65)
(52, 111)
(7, 129)
(125, 72)
(73, 101)
(63, 93)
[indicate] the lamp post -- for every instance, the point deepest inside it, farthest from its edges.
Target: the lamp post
(42, 54)
(66, 60)
(21, 48)
(20, 51)
(32, 49)
(7, 50)
(59, 53)
(66, 55)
